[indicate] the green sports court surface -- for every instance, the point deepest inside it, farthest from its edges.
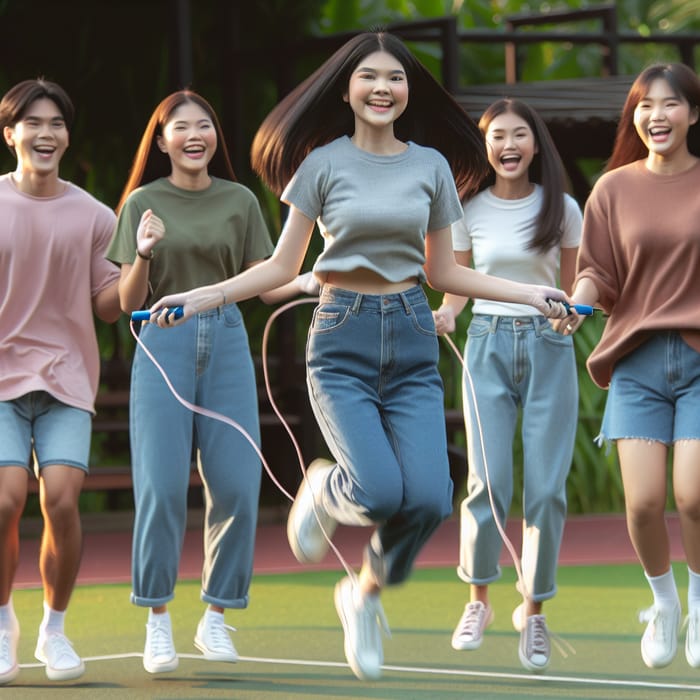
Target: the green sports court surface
(291, 643)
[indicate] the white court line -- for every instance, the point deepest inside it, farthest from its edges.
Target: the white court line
(534, 678)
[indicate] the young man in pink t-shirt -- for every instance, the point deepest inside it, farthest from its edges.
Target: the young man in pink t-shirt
(53, 276)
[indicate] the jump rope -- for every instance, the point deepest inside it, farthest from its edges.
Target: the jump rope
(177, 312)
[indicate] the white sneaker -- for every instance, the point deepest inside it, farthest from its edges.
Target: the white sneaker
(9, 638)
(305, 522)
(534, 649)
(660, 638)
(214, 641)
(55, 650)
(518, 617)
(361, 616)
(692, 637)
(469, 632)
(159, 653)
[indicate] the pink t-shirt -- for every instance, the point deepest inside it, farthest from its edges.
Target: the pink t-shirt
(52, 265)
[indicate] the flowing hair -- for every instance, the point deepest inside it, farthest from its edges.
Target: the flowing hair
(546, 169)
(684, 83)
(314, 114)
(150, 163)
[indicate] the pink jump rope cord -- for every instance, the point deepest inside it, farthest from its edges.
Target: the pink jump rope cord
(229, 421)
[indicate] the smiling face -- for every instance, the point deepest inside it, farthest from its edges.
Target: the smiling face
(378, 91)
(511, 147)
(39, 139)
(189, 139)
(662, 119)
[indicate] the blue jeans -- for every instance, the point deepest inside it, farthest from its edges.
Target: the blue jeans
(514, 363)
(378, 398)
(208, 361)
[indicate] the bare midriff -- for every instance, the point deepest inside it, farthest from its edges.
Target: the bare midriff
(367, 282)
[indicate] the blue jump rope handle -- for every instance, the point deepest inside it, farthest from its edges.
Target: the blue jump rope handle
(175, 312)
(581, 309)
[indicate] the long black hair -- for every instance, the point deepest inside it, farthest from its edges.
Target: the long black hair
(546, 169)
(314, 114)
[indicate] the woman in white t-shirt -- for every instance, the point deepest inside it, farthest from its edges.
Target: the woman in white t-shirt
(523, 227)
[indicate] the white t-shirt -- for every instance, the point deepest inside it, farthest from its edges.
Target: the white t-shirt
(498, 231)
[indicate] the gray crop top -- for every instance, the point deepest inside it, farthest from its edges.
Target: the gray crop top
(374, 211)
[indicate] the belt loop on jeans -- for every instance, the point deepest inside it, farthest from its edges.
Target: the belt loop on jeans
(541, 324)
(405, 302)
(494, 323)
(356, 304)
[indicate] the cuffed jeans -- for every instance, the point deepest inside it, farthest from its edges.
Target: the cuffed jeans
(208, 362)
(378, 398)
(517, 362)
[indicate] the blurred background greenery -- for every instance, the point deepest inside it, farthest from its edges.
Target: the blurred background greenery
(119, 58)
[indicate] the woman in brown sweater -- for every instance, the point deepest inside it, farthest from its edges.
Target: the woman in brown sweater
(639, 261)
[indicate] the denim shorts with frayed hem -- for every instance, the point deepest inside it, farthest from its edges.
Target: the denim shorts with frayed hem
(654, 393)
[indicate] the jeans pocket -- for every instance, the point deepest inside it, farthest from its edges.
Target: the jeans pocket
(329, 317)
(479, 327)
(423, 319)
(232, 315)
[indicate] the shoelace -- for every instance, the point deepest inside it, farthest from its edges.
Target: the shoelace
(542, 632)
(692, 624)
(217, 636)
(658, 622)
(5, 646)
(62, 654)
(538, 636)
(161, 641)
(373, 614)
(472, 620)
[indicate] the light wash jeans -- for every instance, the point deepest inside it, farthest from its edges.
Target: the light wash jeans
(378, 398)
(517, 362)
(208, 361)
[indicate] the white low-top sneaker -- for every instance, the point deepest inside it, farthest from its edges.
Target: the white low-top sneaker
(534, 649)
(55, 650)
(9, 639)
(361, 616)
(469, 632)
(213, 639)
(692, 637)
(660, 638)
(159, 653)
(307, 519)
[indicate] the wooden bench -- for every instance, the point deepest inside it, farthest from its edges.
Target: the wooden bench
(112, 422)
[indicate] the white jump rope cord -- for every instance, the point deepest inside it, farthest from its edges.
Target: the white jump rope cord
(229, 421)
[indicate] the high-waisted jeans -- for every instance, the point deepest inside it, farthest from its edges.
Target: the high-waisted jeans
(209, 363)
(517, 362)
(378, 398)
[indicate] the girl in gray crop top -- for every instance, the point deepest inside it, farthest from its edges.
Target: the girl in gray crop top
(372, 148)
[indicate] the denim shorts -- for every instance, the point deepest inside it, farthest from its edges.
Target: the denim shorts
(58, 433)
(654, 393)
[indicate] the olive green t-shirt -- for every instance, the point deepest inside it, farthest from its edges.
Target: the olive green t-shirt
(210, 235)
